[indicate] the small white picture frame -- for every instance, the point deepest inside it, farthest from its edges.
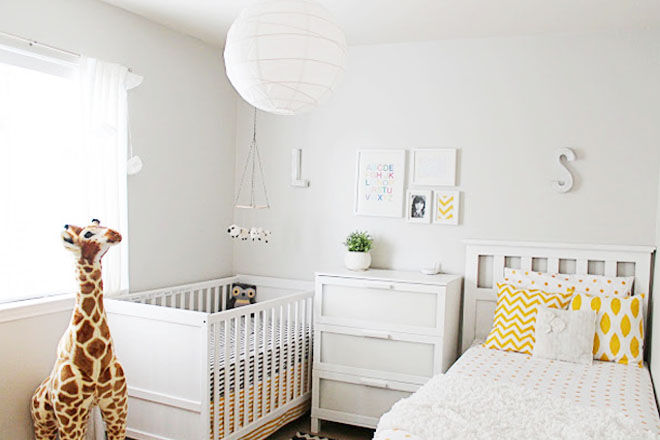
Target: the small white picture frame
(446, 207)
(380, 182)
(419, 205)
(433, 167)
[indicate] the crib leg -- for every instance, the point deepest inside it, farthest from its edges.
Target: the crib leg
(314, 425)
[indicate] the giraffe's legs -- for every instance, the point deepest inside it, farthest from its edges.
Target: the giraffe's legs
(72, 420)
(43, 416)
(114, 405)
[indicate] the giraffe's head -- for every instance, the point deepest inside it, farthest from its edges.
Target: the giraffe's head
(91, 242)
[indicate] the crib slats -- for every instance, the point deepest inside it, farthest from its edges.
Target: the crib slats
(264, 363)
(281, 345)
(217, 329)
(296, 376)
(225, 374)
(273, 388)
(308, 339)
(303, 370)
(237, 357)
(289, 352)
(255, 377)
(246, 369)
(216, 301)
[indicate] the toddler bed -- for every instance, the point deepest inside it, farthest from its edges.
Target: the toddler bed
(198, 370)
(490, 393)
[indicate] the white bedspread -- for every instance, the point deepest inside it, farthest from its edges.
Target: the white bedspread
(622, 388)
(457, 406)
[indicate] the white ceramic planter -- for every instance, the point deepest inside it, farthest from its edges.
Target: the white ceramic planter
(357, 260)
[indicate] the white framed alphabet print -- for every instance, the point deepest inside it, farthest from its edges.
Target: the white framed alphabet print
(379, 183)
(433, 167)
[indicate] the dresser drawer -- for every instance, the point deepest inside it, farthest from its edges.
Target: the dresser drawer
(406, 307)
(377, 353)
(355, 399)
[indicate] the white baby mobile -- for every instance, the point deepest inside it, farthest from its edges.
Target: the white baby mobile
(252, 177)
(245, 234)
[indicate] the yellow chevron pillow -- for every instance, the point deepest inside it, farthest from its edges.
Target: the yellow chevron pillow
(515, 316)
(619, 327)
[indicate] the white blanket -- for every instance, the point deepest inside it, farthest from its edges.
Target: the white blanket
(459, 407)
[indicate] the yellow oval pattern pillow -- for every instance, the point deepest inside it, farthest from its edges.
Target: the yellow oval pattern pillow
(619, 327)
(515, 316)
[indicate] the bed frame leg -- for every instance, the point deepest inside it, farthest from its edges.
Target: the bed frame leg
(314, 427)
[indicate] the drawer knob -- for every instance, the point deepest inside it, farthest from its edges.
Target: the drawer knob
(384, 286)
(368, 381)
(376, 335)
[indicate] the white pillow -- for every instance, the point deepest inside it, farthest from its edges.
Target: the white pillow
(559, 282)
(565, 335)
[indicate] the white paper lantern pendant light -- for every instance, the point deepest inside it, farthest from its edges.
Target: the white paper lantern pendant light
(285, 56)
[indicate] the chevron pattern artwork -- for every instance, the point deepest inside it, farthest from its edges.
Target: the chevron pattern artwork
(619, 327)
(515, 316)
(446, 209)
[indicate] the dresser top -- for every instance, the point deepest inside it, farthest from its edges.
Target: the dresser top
(441, 279)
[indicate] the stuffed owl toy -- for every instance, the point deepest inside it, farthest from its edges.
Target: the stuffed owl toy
(242, 295)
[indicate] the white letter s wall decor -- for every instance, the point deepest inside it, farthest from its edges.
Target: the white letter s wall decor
(565, 181)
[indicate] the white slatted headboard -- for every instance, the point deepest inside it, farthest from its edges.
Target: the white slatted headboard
(485, 262)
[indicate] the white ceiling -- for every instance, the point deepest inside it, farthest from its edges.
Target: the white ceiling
(390, 21)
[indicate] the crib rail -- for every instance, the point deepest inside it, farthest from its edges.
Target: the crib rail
(206, 296)
(260, 360)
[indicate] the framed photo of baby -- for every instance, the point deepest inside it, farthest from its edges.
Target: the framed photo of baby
(419, 206)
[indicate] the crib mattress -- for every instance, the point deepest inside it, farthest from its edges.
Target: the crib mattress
(623, 388)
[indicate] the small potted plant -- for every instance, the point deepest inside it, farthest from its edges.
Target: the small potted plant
(358, 245)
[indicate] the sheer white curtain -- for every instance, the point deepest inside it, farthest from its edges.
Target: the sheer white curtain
(105, 141)
(105, 146)
(64, 144)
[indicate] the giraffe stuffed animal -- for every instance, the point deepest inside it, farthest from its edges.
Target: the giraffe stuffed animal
(86, 372)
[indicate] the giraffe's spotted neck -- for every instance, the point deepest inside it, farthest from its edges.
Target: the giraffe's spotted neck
(89, 298)
(88, 342)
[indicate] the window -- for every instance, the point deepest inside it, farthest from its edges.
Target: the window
(48, 165)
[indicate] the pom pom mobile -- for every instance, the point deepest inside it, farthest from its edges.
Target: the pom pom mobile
(252, 165)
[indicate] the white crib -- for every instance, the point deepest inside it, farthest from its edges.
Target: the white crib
(196, 370)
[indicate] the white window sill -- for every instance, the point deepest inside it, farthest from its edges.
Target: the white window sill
(30, 308)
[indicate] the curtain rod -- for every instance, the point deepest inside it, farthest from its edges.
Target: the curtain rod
(36, 43)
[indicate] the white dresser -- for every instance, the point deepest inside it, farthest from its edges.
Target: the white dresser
(378, 336)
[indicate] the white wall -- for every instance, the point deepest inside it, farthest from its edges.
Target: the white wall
(183, 120)
(508, 104)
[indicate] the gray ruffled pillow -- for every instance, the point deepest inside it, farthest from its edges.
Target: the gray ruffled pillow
(565, 335)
